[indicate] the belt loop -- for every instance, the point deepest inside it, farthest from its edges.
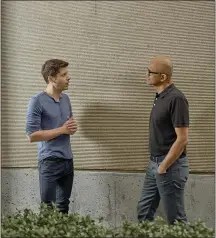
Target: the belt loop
(156, 159)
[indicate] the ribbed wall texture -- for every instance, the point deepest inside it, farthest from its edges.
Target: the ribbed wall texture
(108, 45)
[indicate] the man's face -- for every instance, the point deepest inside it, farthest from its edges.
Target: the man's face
(61, 80)
(153, 75)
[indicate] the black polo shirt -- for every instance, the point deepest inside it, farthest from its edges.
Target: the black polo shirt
(170, 110)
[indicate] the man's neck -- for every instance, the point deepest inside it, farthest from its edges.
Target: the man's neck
(50, 90)
(160, 88)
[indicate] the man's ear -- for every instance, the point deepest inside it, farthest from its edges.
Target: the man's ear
(163, 77)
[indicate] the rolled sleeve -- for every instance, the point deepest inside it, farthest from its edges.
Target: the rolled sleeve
(33, 119)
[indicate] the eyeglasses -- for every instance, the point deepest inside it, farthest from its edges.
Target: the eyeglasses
(151, 72)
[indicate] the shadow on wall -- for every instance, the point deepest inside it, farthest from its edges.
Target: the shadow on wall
(117, 120)
(117, 131)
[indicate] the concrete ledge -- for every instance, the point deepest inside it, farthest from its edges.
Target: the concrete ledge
(110, 195)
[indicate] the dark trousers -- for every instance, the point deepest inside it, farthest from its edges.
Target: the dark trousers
(56, 180)
(168, 187)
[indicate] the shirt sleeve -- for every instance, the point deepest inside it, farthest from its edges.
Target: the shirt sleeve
(33, 119)
(179, 110)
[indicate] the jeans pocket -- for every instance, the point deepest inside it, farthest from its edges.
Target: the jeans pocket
(183, 160)
(184, 172)
(181, 177)
(165, 183)
(49, 167)
(162, 178)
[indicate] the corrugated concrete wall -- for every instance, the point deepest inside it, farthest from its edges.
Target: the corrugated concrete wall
(108, 45)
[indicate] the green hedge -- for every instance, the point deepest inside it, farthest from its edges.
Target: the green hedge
(50, 223)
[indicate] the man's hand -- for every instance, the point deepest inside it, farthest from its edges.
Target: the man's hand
(69, 127)
(176, 149)
(161, 169)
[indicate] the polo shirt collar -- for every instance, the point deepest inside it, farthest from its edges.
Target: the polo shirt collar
(165, 91)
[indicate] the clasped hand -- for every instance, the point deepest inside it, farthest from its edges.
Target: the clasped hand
(70, 126)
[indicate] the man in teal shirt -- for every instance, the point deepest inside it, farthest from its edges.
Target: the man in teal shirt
(50, 123)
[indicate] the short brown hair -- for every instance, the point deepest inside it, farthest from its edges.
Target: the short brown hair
(52, 68)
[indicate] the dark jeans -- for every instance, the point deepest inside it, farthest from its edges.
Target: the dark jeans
(56, 180)
(168, 187)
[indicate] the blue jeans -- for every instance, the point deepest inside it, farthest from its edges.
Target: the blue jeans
(56, 180)
(168, 187)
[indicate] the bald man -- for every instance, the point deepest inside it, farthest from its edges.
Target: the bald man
(167, 171)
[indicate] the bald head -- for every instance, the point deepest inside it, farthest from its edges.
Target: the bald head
(162, 64)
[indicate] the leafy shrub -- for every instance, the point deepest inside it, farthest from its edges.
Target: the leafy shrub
(159, 229)
(51, 223)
